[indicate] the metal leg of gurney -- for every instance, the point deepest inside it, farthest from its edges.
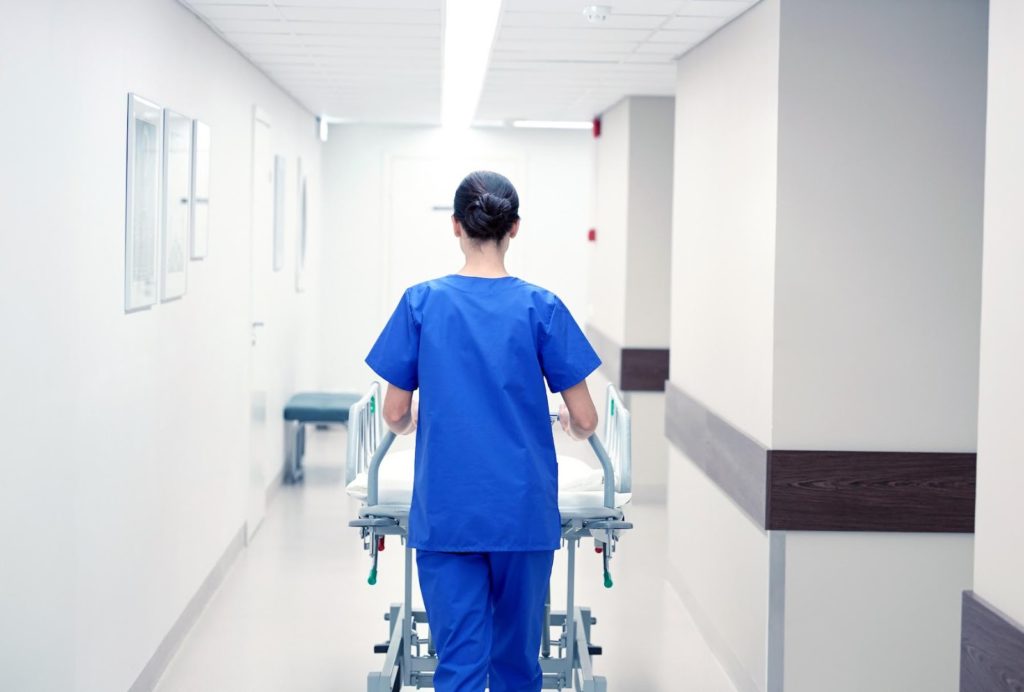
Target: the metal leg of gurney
(295, 440)
(389, 679)
(545, 642)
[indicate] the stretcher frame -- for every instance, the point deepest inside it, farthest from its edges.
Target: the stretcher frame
(405, 661)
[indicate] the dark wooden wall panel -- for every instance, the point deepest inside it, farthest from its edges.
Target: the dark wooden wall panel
(991, 649)
(630, 369)
(825, 490)
(871, 491)
(644, 369)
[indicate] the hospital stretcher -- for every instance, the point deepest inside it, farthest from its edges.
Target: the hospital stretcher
(591, 503)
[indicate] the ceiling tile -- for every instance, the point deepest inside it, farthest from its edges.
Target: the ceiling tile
(713, 8)
(578, 21)
(363, 15)
(703, 23)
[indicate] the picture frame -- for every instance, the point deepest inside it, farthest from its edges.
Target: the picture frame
(143, 184)
(177, 205)
(200, 225)
(302, 237)
(280, 173)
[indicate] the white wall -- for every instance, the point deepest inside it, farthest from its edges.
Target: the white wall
(126, 459)
(999, 552)
(648, 256)
(874, 611)
(551, 250)
(723, 238)
(878, 254)
(722, 273)
(611, 210)
(633, 213)
(719, 563)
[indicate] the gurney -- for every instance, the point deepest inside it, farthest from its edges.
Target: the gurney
(591, 503)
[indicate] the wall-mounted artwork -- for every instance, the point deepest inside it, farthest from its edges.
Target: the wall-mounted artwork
(177, 204)
(280, 171)
(200, 189)
(142, 203)
(301, 245)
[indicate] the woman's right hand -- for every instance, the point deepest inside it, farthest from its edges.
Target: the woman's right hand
(563, 419)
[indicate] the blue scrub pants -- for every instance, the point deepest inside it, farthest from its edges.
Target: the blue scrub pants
(486, 614)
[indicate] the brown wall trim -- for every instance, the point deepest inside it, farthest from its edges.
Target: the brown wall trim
(825, 490)
(871, 491)
(991, 649)
(734, 461)
(644, 369)
(630, 369)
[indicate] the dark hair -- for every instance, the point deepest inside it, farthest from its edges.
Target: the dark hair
(487, 205)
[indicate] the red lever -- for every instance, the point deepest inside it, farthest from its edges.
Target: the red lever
(380, 544)
(598, 549)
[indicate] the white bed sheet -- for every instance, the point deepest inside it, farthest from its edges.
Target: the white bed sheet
(580, 486)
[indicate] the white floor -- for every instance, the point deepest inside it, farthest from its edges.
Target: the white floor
(295, 613)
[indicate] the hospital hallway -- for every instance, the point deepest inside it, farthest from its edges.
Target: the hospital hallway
(295, 612)
(723, 297)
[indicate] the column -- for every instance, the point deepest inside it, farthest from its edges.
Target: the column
(826, 298)
(629, 323)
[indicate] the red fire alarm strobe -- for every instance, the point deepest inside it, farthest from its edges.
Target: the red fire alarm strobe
(597, 127)
(592, 235)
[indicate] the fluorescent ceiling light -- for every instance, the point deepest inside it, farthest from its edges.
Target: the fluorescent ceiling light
(469, 27)
(554, 124)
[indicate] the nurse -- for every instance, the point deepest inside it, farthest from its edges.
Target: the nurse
(479, 345)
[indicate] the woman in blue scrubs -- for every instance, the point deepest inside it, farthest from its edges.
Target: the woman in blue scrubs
(479, 345)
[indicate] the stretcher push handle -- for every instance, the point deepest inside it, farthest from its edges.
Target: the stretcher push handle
(609, 470)
(372, 472)
(606, 464)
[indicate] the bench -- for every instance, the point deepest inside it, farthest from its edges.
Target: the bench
(317, 408)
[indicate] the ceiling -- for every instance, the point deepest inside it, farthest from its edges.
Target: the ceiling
(380, 60)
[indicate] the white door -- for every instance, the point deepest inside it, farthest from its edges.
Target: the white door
(261, 265)
(421, 243)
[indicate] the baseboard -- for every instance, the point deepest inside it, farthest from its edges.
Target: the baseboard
(716, 642)
(151, 674)
(275, 485)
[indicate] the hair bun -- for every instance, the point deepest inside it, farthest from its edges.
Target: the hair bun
(495, 206)
(487, 205)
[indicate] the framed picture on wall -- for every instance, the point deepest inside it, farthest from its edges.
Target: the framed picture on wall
(303, 234)
(177, 204)
(142, 203)
(280, 172)
(199, 242)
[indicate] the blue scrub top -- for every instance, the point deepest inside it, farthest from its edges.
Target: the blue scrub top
(479, 350)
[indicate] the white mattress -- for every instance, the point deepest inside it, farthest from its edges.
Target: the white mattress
(580, 486)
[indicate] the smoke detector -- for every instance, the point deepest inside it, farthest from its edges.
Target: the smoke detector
(597, 14)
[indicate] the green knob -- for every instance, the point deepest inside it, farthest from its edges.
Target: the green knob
(607, 579)
(373, 404)
(373, 577)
